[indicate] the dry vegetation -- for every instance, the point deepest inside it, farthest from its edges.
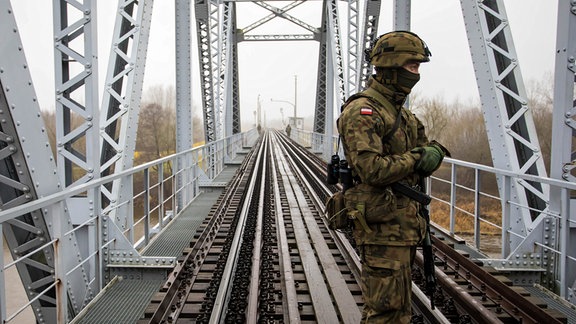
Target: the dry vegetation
(460, 127)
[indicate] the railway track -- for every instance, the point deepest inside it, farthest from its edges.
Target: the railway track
(265, 255)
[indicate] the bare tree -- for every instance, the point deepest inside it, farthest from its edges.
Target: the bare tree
(434, 114)
(541, 102)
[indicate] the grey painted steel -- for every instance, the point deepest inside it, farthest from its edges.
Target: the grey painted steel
(402, 14)
(511, 132)
(217, 43)
(123, 302)
(77, 112)
(335, 84)
(226, 68)
(184, 127)
(335, 49)
(28, 171)
(322, 78)
(203, 30)
(563, 128)
(354, 54)
(77, 134)
(236, 119)
(370, 32)
(121, 100)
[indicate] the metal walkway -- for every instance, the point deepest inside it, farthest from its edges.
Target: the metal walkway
(124, 300)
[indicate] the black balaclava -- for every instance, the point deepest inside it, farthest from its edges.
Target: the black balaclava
(399, 80)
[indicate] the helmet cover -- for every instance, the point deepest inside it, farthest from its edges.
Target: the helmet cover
(394, 49)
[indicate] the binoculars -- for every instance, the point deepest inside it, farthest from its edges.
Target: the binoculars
(339, 171)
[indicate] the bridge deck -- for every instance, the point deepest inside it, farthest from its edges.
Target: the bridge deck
(124, 301)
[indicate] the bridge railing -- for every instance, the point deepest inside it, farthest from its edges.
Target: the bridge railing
(108, 244)
(473, 202)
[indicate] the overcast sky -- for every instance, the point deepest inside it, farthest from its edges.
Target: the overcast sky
(267, 69)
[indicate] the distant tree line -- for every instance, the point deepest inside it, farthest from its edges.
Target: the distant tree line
(459, 126)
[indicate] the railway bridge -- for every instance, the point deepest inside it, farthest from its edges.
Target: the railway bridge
(234, 230)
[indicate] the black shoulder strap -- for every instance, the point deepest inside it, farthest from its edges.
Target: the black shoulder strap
(388, 136)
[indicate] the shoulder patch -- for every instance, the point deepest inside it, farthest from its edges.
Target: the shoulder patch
(365, 111)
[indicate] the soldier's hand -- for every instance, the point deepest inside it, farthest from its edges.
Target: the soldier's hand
(431, 157)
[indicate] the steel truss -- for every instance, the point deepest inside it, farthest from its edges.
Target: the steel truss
(121, 101)
(563, 154)
(28, 172)
(90, 145)
(509, 124)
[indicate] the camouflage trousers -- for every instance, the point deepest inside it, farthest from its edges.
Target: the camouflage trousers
(386, 283)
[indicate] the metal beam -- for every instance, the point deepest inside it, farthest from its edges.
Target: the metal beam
(27, 172)
(563, 166)
(121, 101)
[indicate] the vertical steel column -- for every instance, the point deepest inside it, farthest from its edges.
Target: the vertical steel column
(354, 53)
(371, 18)
(511, 132)
(203, 28)
(236, 119)
(28, 171)
(322, 77)
(402, 14)
(184, 126)
(76, 67)
(563, 127)
(226, 67)
(121, 100)
(217, 43)
(335, 82)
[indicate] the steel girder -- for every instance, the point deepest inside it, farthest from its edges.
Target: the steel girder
(203, 30)
(236, 119)
(28, 171)
(322, 78)
(351, 77)
(354, 53)
(121, 101)
(563, 154)
(184, 126)
(229, 113)
(510, 128)
(76, 69)
(402, 14)
(369, 34)
(335, 82)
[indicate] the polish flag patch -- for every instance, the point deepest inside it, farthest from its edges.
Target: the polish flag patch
(365, 111)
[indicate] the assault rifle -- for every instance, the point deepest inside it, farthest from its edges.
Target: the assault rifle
(424, 200)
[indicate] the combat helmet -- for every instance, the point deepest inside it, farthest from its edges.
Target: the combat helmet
(394, 49)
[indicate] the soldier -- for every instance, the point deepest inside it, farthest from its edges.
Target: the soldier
(385, 143)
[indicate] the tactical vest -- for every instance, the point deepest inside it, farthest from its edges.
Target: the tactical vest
(381, 217)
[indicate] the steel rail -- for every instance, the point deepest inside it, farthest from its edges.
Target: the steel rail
(321, 299)
(223, 295)
(289, 295)
(334, 279)
(509, 300)
(182, 278)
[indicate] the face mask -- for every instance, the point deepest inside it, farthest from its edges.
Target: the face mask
(407, 80)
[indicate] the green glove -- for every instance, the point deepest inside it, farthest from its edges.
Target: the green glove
(431, 157)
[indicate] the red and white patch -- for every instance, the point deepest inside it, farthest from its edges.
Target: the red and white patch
(365, 111)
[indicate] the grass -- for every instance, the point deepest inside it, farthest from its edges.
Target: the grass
(490, 212)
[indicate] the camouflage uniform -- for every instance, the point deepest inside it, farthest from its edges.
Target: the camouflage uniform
(387, 227)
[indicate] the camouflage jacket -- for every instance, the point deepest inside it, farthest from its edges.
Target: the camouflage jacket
(381, 215)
